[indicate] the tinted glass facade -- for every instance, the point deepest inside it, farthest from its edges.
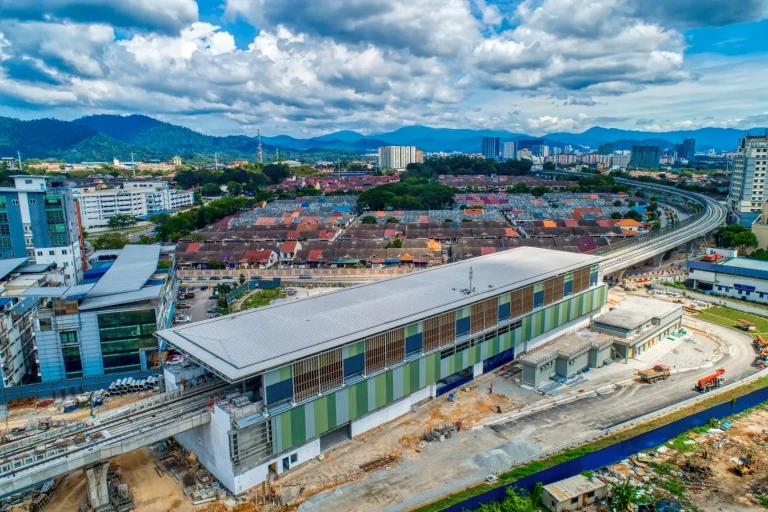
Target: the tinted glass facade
(124, 334)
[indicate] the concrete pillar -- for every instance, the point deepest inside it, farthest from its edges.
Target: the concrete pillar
(96, 485)
(657, 259)
(618, 276)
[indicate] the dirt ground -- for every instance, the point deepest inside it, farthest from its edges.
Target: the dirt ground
(399, 438)
(697, 469)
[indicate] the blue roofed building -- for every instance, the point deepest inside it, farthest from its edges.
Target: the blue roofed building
(106, 326)
(740, 278)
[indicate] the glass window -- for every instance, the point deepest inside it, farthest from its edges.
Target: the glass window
(68, 338)
(3, 215)
(5, 229)
(124, 335)
(73, 365)
(5, 242)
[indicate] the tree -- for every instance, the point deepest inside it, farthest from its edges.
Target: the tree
(197, 237)
(368, 219)
(745, 240)
(549, 166)
(759, 254)
(211, 189)
(519, 188)
(198, 197)
(276, 172)
(624, 495)
(109, 241)
(159, 219)
(616, 215)
(146, 240)
(617, 203)
(202, 220)
(392, 220)
(120, 220)
(234, 188)
(216, 265)
(632, 214)
(397, 243)
(242, 278)
(539, 191)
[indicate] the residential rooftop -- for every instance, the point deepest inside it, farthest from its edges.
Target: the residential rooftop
(245, 344)
(574, 486)
(634, 311)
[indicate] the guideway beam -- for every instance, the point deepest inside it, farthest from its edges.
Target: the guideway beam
(96, 484)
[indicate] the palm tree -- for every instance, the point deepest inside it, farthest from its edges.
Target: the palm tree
(624, 495)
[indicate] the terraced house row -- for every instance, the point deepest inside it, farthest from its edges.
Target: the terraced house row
(314, 372)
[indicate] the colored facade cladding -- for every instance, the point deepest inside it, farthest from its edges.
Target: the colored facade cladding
(313, 418)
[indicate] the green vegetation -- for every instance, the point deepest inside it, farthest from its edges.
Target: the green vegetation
(164, 264)
(262, 298)
(736, 236)
(173, 227)
(463, 164)
(516, 501)
(589, 475)
(121, 221)
(108, 241)
(397, 243)
(410, 194)
(368, 219)
(730, 318)
(624, 495)
(674, 284)
(759, 254)
(570, 454)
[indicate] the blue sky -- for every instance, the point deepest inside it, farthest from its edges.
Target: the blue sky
(306, 67)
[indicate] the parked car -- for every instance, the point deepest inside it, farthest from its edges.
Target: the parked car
(187, 278)
(202, 278)
(305, 276)
(214, 296)
(215, 278)
(183, 319)
(184, 305)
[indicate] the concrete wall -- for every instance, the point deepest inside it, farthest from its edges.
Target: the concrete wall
(567, 366)
(211, 444)
(597, 356)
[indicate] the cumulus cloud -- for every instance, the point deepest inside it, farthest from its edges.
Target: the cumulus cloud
(156, 15)
(423, 27)
(700, 13)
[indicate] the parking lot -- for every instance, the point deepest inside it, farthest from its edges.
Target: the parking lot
(199, 306)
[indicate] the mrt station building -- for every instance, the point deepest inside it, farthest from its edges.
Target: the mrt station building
(314, 372)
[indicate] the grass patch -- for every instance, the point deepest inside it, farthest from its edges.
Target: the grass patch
(730, 318)
(763, 500)
(570, 454)
(262, 298)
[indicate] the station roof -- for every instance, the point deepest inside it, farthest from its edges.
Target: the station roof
(634, 311)
(244, 344)
(130, 271)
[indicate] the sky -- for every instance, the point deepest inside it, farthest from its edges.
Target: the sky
(308, 67)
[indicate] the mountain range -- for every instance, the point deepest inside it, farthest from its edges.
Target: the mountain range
(103, 137)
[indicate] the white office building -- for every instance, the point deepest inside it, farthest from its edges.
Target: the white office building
(398, 157)
(135, 199)
(509, 151)
(747, 194)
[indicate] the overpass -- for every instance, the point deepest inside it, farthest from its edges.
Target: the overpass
(620, 256)
(90, 444)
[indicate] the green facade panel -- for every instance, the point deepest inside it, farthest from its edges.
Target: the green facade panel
(352, 402)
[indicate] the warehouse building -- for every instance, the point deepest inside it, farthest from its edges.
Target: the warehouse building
(317, 371)
(638, 323)
(740, 278)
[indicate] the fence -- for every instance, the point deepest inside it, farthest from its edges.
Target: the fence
(296, 272)
(622, 449)
(69, 386)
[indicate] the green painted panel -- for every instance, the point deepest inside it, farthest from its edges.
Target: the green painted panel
(285, 431)
(412, 373)
(568, 277)
(390, 388)
(286, 372)
(538, 287)
(505, 299)
(495, 346)
(540, 323)
(298, 425)
(432, 371)
(380, 387)
(462, 313)
(527, 327)
(321, 415)
(361, 399)
(412, 329)
(331, 408)
(355, 349)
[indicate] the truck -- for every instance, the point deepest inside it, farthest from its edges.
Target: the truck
(651, 375)
(711, 381)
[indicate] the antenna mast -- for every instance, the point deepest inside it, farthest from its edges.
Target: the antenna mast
(260, 154)
(133, 165)
(21, 169)
(216, 161)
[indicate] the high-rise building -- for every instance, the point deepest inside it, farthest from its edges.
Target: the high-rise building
(646, 157)
(509, 150)
(38, 221)
(535, 146)
(568, 149)
(398, 157)
(491, 149)
(748, 186)
(686, 150)
(605, 148)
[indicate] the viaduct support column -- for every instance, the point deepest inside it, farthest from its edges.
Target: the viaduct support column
(96, 485)
(618, 276)
(657, 259)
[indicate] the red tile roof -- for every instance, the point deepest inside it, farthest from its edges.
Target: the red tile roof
(193, 247)
(289, 246)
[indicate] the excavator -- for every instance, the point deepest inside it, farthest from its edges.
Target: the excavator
(711, 381)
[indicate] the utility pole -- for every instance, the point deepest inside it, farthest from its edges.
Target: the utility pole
(133, 165)
(21, 169)
(260, 155)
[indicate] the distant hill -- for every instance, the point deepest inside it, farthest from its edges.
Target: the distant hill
(102, 137)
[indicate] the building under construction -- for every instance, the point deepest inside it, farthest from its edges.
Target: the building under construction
(317, 371)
